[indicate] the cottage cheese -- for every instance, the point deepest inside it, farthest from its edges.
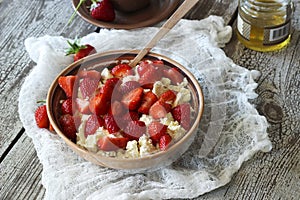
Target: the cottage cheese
(105, 74)
(132, 150)
(145, 145)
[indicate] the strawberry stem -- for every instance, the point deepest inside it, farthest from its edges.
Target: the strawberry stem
(74, 47)
(41, 101)
(74, 13)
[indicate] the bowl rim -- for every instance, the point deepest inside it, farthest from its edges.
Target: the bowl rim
(173, 147)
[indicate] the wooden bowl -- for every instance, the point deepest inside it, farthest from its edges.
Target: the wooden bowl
(129, 5)
(156, 11)
(161, 158)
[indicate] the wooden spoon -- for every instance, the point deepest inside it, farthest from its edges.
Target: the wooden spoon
(168, 25)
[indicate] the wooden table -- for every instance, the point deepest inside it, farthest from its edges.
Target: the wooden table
(274, 175)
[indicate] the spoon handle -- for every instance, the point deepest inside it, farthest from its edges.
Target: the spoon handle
(168, 25)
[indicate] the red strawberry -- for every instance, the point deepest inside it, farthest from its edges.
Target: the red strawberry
(122, 70)
(128, 117)
(98, 104)
(133, 99)
(88, 86)
(131, 116)
(108, 88)
(41, 117)
(150, 72)
(102, 10)
(135, 129)
(148, 78)
(173, 74)
(111, 144)
(51, 128)
(80, 51)
(169, 96)
(128, 86)
(156, 130)
(158, 63)
(116, 108)
(92, 124)
(68, 126)
(159, 109)
(66, 106)
(164, 142)
(143, 67)
(77, 120)
(149, 98)
(67, 84)
(93, 74)
(182, 114)
(82, 105)
(110, 124)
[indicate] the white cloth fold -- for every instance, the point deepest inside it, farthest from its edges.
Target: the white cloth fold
(231, 130)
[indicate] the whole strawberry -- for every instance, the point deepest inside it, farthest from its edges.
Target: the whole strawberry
(80, 51)
(41, 117)
(102, 10)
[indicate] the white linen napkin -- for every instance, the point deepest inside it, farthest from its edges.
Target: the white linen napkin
(230, 133)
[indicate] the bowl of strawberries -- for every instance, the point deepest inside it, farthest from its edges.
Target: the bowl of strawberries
(124, 117)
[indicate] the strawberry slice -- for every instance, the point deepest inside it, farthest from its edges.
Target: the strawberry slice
(102, 10)
(116, 108)
(88, 86)
(168, 97)
(41, 117)
(128, 117)
(159, 109)
(128, 86)
(156, 130)
(150, 72)
(93, 74)
(67, 84)
(149, 98)
(174, 75)
(109, 86)
(164, 142)
(98, 104)
(82, 106)
(111, 144)
(68, 126)
(182, 114)
(133, 99)
(131, 116)
(143, 67)
(148, 78)
(66, 106)
(134, 130)
(77, 120)
(92, 124)
(110, 124)
(158, 63)
(122, 70)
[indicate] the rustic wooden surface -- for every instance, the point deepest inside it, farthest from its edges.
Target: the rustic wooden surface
(274, 175)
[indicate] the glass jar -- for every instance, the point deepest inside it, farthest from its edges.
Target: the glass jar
(264, 25)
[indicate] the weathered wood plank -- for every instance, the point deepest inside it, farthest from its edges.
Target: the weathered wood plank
(20, 174)
(204, 8)
(38, 18)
